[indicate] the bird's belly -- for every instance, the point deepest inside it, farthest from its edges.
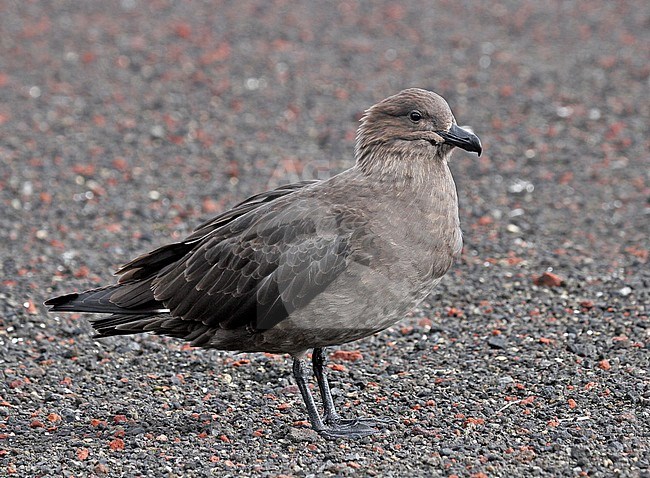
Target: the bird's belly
(359, 303)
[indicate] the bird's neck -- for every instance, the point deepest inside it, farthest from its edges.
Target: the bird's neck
(403, 168)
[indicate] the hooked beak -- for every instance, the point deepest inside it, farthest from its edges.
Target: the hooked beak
(462, 138)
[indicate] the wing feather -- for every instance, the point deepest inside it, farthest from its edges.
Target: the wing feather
(250, 267)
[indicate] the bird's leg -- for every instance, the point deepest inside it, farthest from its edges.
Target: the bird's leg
(330, 416)
(300, 374)
(331, 430)
(319, 360)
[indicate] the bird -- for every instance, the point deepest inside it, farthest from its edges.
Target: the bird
(308, 265)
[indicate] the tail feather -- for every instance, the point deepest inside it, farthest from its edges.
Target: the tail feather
(117, 324)
(103, 301)
(158, 324)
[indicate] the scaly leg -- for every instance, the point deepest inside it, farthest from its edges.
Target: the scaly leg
(319, 360)
(333, 429)
(330, 416)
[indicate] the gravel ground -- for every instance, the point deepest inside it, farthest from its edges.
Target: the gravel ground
(123, 125)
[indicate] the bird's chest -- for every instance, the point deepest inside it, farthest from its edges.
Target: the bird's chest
(419, 241)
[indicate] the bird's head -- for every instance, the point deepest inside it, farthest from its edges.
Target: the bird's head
(412, 122)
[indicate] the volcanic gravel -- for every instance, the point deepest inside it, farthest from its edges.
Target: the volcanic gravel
(125, 124)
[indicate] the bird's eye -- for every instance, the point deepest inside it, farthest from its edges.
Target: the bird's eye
(415, 116)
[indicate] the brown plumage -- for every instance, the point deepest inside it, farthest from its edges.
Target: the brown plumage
(311, 264)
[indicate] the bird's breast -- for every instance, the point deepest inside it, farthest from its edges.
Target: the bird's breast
(419, 239)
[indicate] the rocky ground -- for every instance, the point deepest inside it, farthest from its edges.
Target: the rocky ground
(125, 124)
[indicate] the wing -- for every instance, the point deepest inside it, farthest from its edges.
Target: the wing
(248, 268)
(256, 270)
(133, 294)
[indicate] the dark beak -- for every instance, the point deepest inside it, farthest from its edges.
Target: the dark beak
(462, 138)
